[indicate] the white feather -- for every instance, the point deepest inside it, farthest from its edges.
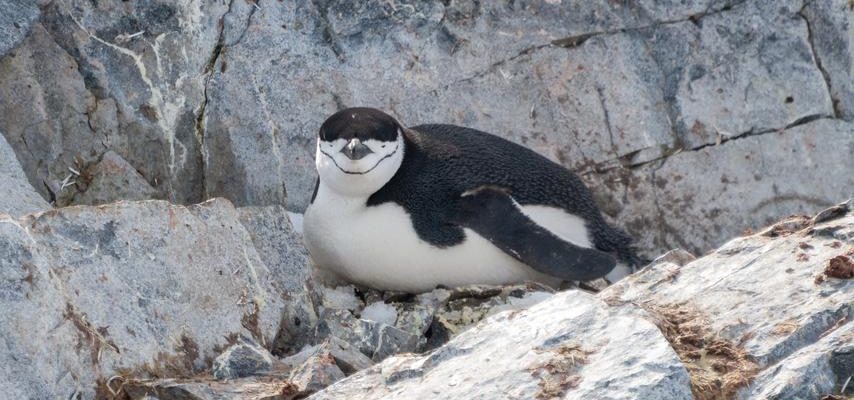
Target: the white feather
(378, 247)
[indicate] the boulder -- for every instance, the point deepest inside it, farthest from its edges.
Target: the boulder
(18, 198)
(133, 290)
(769, 308)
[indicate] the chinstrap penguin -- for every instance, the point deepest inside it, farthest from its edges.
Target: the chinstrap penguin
(411, 209)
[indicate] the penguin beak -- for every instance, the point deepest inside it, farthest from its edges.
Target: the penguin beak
(355, 150)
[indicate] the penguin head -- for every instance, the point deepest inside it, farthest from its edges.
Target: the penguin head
(358, 151)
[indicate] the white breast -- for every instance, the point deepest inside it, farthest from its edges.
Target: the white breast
(378, 247)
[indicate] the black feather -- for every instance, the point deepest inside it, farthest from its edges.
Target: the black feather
(441, 162)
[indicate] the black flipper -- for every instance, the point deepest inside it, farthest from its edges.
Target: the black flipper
(491, 212)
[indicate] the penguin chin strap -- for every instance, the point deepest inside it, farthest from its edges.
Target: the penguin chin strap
(358, 178)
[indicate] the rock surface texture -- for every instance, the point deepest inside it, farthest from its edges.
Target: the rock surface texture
(673, 112)
(129, 289)
(18, 197)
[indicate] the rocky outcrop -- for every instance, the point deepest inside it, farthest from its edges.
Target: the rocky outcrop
(208, 99)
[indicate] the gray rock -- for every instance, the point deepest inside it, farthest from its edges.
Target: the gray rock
(259, 133)
(210, 389)
(831, 28)
(279, 246)
(347, 357)
(380, 312)
(132, 289)
(283, 252)
(755, 181)
(316, 373)
(18, 198)
(110, 180)
(129, 78)
(808, 373)
(246, 358)
(15, 22)
(580, 348)
(752, 70)
(374, 339)
(767, 304)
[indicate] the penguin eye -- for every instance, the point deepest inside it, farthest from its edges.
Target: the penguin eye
(383, 146)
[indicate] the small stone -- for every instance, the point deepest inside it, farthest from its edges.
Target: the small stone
(243, 359)
(347, 357)
(316, 373)
(380, 312)
(340, 298)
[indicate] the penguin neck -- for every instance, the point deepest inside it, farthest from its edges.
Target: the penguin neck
(329, 198)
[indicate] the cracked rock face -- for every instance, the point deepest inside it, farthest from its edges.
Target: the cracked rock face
(208, 99)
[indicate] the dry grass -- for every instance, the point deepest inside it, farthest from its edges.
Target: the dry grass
(558, 374)
(718, 368)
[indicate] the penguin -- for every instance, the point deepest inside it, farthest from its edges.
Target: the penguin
(413, 209)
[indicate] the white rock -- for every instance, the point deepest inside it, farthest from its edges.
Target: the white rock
(380, 312)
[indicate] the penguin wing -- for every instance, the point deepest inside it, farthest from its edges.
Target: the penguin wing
(492, 213)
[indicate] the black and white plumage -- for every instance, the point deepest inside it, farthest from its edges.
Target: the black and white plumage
(410, 209)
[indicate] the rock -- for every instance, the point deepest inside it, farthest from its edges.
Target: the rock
(90, 78)
(246, 358)
(15, 22)
(281, 42)
(289, 266)
(673, 206)
(209, 389)
(318, 372)
(18, 198)
(110, 180)
(380, 312)
(763, 304)
(580, 348)
(468, 305)
(134, 289)
(676, 256)
(750, 70)
(340, 298)
(807, 373)
(347, 357)
(831, 28)
(374, 339)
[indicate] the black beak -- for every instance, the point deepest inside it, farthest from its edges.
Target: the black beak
(355, 150)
